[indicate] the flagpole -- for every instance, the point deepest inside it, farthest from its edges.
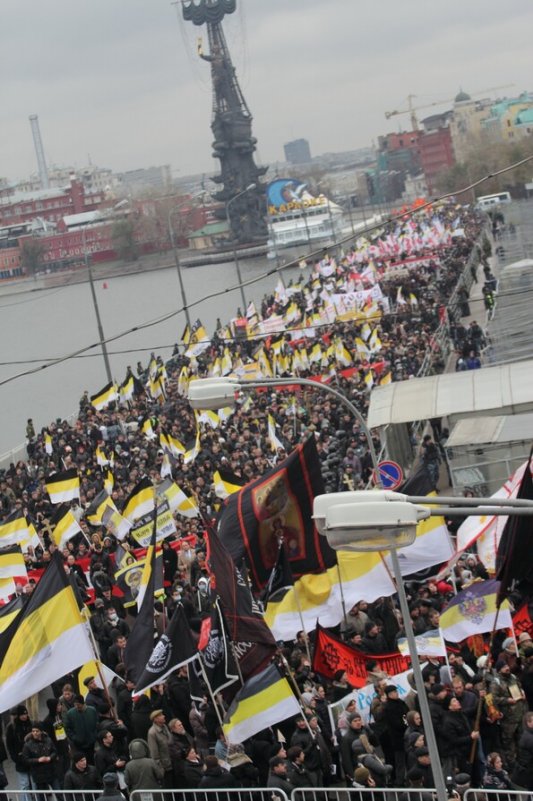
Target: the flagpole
(343, 601)
(99, 669)
(297, 599)
(210, 691)
(295, 687)
(445, 654)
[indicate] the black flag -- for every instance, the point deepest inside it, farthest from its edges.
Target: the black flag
(253, 642)
(219, 668)
(281, 577)
(175, 648)
(513, 559)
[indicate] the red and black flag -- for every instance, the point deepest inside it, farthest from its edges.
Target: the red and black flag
(278, 506)
(513, 559)
(253, 642)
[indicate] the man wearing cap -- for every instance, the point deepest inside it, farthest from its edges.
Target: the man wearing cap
(95, 696)
(40, 755)
(159, 743)
(111, 789)
(17, 730)
(457, 738)
(423, 764)
(524, 641)
(509, 699)
(394, 711)
(357, 740)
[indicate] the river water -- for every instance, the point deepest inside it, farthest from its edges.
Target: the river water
(42, 325)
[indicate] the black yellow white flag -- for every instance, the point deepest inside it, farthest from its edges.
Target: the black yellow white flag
(106, 396)
(263, 701)
(65, 526)
(14, 529)
(46, 640)
(140, 501)
(64, 486)
(12, 562)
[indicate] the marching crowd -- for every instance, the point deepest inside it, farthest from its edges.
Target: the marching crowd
(90, 739)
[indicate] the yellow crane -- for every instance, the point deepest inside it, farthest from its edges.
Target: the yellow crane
(411, 109)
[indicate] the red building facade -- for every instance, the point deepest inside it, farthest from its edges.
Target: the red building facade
(436, 154)
(50, 204)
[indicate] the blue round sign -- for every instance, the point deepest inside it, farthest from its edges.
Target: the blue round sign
(390, 475)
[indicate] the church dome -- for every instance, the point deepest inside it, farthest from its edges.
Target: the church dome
(462, 97)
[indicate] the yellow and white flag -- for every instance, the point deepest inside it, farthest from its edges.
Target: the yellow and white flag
(106, 396)
(46, 640)
(275, 443)
(48, 444)
(12, 562)
(64, 486)
(65, 526)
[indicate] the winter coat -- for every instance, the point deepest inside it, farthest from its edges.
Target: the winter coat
(87, 779)
(280, 783)
(159, 741)
(298, 776)
(215, 778)
(16, 732)
(310, 748)
(192, 772)
(41, 772)
(522, 774)
(456, 739)
(81, 727)
(142, 772)
(394, 712)
(496, 779)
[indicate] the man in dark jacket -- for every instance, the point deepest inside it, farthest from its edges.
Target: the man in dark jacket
(457, 737)
(373, 642)
(81, 727)
(81, 775)
(296, 772)
(277, 776)
(358, 740)
(107, 758)
(215, 776)
(96, 696)
(303, 738)
(394, 712)
(16, 731)
(39, 753)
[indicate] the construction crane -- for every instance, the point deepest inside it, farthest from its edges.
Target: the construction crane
(411, 109)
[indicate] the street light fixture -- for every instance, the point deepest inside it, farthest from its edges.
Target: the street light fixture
(374, 520)
(249, 188)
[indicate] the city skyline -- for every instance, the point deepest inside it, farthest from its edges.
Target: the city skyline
(121, 82)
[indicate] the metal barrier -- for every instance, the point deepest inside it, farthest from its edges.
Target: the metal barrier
(363, 794)
(229, 794)
(497, 795)
(50, 795)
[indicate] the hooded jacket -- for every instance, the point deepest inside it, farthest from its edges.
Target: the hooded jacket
(142, 772)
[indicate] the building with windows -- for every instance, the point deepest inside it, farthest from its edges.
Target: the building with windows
(50, 205)
(297, 151)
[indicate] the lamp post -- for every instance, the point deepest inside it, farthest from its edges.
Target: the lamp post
(366, 521)
(96, 309)
(171, 212)
(237, 265)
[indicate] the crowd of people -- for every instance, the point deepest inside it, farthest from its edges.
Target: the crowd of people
(91, 738)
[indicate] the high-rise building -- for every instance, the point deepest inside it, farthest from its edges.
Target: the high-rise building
(297, 151)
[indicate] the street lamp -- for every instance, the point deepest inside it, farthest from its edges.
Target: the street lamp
(237, 265)
(374, 520)
(96, 309)
(172, 211)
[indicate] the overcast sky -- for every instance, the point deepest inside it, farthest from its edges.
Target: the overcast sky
(120, 81)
